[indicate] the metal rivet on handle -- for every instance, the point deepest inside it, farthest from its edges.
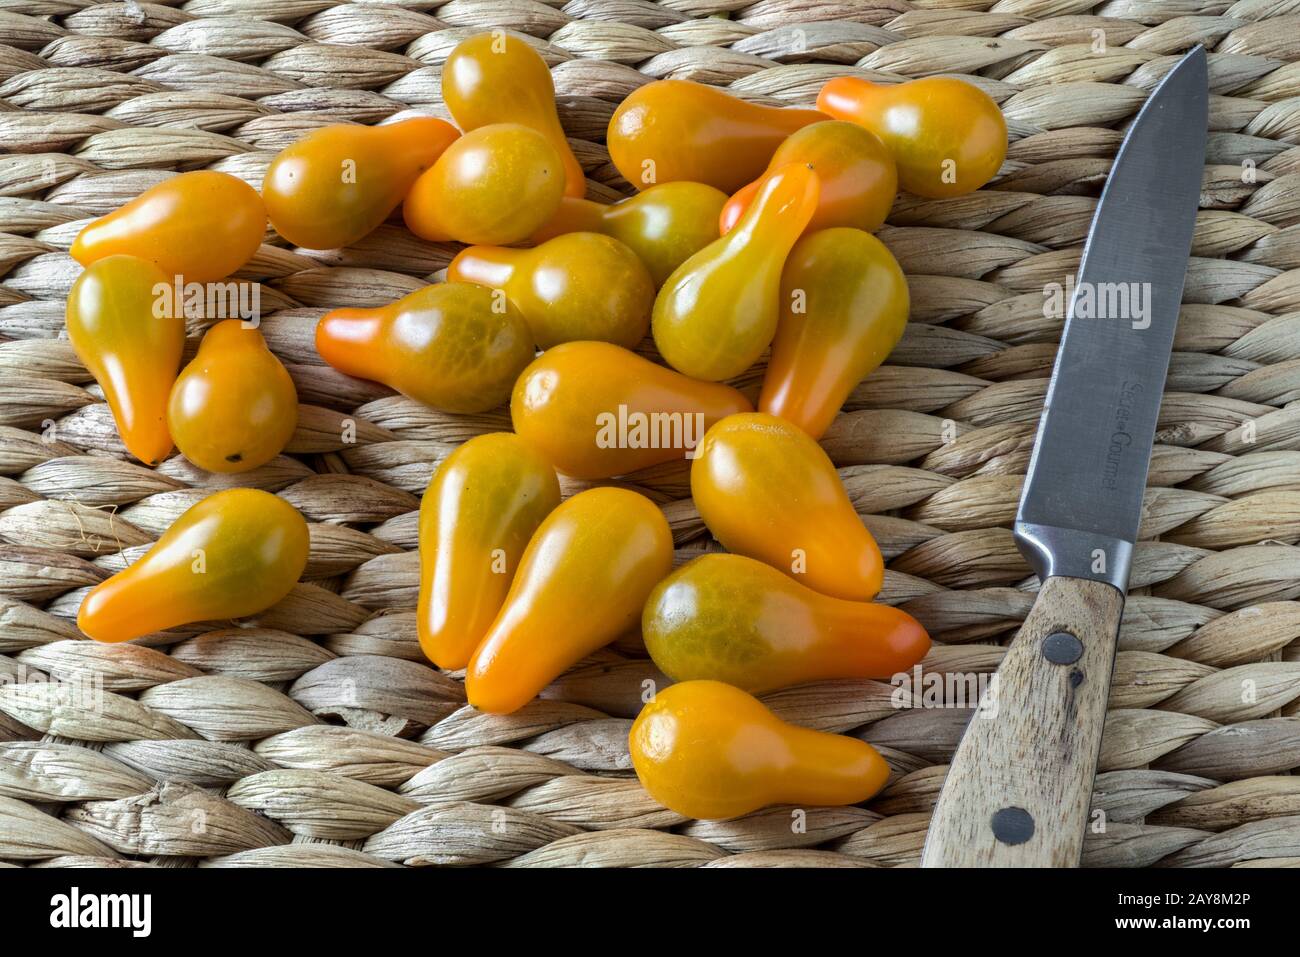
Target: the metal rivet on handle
(1013, 825)
(1062, 648)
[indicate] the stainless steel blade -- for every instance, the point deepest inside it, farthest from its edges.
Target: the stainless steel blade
(1082, 499)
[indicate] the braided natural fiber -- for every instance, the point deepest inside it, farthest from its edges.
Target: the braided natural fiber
(318, 735)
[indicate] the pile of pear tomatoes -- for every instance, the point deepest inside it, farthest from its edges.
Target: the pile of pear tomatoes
(750, 236)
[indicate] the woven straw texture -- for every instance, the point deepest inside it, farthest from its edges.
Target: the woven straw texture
(317, 734)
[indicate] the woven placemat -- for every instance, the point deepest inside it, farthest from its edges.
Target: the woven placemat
(318, 735)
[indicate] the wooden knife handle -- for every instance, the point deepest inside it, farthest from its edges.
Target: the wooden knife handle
(1020, 785)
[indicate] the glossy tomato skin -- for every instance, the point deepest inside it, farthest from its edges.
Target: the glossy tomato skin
(844, 306)
(497, 77)
(233, 554)
(582, 582)
(580, 405)
(707, 750)
(234, 407)
(454, 346)
(717, 312)
(495, 185)
(731, 618)
(202, 225)
(768, 491)
(855, 171)
(482, 506)
(672, 130)
(948, 137)
(664, 226)
(574, 287)
(130, 342)
(336, 185)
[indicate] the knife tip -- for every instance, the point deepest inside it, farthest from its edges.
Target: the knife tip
(1196, 55)
(1190, 75)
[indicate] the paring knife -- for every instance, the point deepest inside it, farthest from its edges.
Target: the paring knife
(1020, 785)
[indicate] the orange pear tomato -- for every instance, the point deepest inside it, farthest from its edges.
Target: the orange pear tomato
(707, 750)
(718, 311)
(202, 225)
(672, 130)
(844, 304)
(575, 286)
(336, 185)
(582, 582)
(948, 137)
(234, 407)
(495, 185)
(483, 505)
(595, 410)
(127, 339)
(497, 77)
(454, 345)
(734, 619)
(664, 226)
(856, 172)
(768, 491)
(232, 554)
